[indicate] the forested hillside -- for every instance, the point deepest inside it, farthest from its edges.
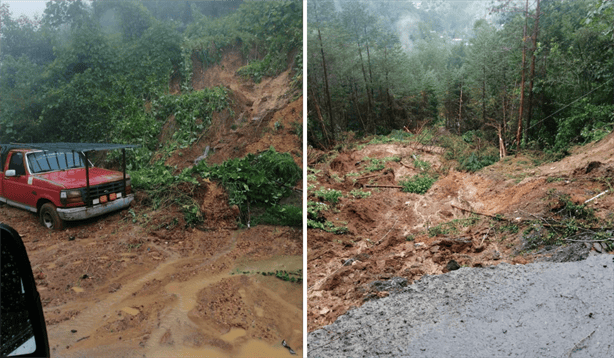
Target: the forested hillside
(374, 69)
(101, 72)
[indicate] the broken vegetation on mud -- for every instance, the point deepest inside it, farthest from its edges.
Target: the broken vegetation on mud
(387, 210)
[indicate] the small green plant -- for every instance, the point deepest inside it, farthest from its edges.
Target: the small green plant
(357, 193)
(475, 162)
(422, 164)
(375, 165)
(554, 179)
(418, 184)
(330, 195)
(282, 215)
(327, 226)
(409, 237)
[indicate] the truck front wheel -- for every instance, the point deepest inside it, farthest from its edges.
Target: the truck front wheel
(49, 217)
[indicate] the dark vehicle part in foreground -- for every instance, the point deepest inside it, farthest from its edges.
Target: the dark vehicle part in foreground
(58, 182)
(23, 332)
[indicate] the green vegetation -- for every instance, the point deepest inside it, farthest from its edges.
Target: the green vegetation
(316, 220)
(295, 276)
(568, 221)
(258, 180)
(330, 195)
(419, 183)
(100, 72)
(421, 164)
(453, 226)
(357, 193)
(470, 78)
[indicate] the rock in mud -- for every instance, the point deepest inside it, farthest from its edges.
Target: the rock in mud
(394, 284)
(452, 265)
(572, 252)
(203, 156)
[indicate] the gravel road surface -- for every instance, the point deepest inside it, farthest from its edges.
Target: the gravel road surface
(542, 309)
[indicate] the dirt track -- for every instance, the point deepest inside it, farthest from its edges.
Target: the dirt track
(140, 283)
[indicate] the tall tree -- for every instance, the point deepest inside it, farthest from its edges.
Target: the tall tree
(319, 9)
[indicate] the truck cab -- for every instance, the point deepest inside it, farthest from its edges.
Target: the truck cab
(59, 183)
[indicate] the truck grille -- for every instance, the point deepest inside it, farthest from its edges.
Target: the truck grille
(104, 189)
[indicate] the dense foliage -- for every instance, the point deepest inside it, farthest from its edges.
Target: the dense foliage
(90, 71)
(374, 68)
(99, 71)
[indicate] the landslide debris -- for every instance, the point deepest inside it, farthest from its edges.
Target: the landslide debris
(364, 229)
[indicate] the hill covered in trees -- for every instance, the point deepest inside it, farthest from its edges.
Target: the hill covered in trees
(101, 71)
(377, 69)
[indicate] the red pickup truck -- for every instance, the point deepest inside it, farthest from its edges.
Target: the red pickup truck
(58, 182)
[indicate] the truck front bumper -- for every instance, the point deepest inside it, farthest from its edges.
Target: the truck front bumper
(84, 212)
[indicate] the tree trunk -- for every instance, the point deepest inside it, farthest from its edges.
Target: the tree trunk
(330, 103)
(524, 56)
(532, 74)
(354, 98)
(460, 110)
(369, 62)
(367, 87)
(320, 120)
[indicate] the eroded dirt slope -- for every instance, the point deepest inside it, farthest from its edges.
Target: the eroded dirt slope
(140, 283)
(395, 234)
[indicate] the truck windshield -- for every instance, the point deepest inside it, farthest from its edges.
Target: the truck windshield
(40, 162)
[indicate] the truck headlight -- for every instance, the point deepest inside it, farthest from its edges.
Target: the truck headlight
(71, 196)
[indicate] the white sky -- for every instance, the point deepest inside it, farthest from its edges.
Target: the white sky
(25, 7)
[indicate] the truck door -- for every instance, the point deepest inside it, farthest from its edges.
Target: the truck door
(18, 188)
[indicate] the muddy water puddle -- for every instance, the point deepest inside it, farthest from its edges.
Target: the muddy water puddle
(208, 315)
(243, 320)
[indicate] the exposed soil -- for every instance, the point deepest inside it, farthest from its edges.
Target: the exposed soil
(387, 232)
(140, 283)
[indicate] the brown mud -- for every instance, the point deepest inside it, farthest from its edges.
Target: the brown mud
(388, 231)
(140, 283)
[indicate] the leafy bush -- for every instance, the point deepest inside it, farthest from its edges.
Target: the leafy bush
(422, 164)
(419, 183)
(475, 162)
(357, 193)
(192, 111)
(282, 215)
(330, 195)
(262, 178)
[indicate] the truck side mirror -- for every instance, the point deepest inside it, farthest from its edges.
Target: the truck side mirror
(24, 333)
(9, 173)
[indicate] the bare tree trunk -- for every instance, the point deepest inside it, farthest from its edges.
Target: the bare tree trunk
(330, 103)
(524, 56)
(364, 74)
(369, 61)
(354, 98)
(460, 110)
(532, 74)
(315, 104)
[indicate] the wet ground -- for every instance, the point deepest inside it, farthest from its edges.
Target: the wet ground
(465, 219)
(109, 288)
(533, 310)
(139, 282)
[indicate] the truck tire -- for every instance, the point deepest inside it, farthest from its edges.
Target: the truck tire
(49, 217)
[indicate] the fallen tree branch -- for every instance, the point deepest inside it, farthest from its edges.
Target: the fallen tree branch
(482, 214)
(384, 186)
(577, 346)
(595, 197)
